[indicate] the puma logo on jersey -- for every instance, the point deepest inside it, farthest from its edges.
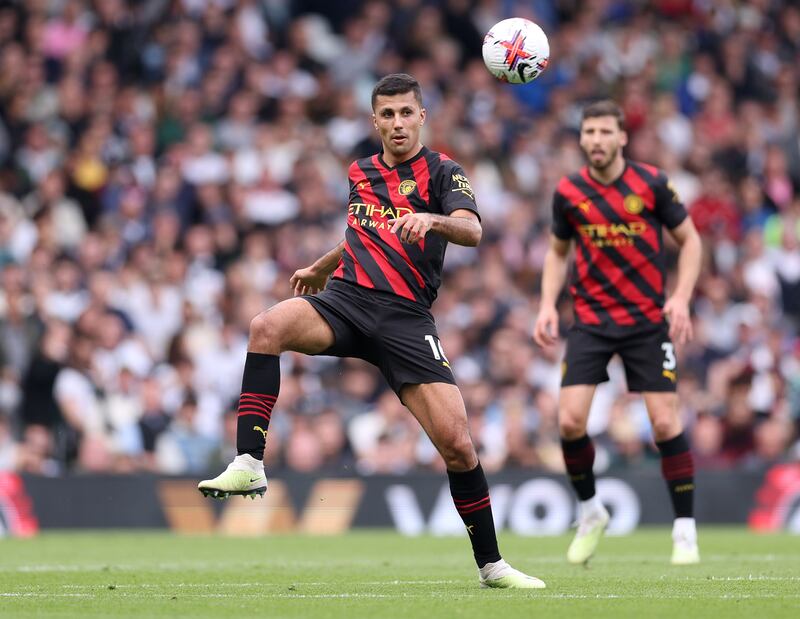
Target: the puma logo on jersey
(262, 430)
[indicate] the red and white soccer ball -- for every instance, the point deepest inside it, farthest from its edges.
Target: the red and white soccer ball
(516, 50)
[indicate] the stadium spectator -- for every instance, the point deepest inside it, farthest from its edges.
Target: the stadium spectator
(182, 448)
(385, 440)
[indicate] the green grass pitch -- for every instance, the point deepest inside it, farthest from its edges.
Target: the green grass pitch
(379, 574)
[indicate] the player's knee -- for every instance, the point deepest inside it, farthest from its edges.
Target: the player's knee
(571, 426)
(665, 426)
(459, 453)
(264, 333)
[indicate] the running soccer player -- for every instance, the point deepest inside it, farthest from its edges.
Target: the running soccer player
(370, 298)
(615, 210)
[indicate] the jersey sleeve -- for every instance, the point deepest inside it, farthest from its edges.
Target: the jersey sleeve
(455, 191)
(561, 226)
(668, 206)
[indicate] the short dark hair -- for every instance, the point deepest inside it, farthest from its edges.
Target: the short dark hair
(604, 107)
(397, 84)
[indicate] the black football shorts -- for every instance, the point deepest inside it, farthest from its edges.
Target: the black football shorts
(648, 357)
(394, 334)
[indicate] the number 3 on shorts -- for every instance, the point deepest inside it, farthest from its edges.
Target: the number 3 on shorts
(436, 348)
(669, 356)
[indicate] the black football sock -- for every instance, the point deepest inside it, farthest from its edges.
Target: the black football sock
(470, 493)
(579, 459)
(260, 385)
(677, 467)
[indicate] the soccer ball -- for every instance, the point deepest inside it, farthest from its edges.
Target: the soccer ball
(516, 50)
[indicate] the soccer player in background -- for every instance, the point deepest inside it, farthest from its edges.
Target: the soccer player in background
(369, 298)
(615, 211)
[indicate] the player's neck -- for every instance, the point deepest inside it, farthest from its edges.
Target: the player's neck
(610, 173)
(391, 161)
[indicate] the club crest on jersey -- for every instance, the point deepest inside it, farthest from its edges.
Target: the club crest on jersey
(406, 187)
(633, 204)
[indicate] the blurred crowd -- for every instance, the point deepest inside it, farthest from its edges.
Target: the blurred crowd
(165, 165)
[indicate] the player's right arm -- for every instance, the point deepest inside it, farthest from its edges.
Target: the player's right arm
(312, 279)
(554, 275)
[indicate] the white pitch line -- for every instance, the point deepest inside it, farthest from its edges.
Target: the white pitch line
(223, 585)
(725, 596)
(533, 561)
(175, 566)
(378, 583)
(750, 577)
(335, 595)
(367, 595)
(31, 594)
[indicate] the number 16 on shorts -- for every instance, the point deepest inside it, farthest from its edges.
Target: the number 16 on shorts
(437, 350)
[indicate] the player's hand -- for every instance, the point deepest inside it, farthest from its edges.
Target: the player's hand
(545, 332)
(413, 227)
(308, 281)
(676, 310)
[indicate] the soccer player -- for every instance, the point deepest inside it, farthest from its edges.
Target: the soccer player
(615, 211)
(370, 298)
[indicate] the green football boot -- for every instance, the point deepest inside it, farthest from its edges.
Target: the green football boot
(684, 542)
(591, 527)
(500, 575)
(685, 554)
(241, 478)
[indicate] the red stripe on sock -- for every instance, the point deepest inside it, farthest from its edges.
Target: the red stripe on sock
(245, 398)
(248, 400)
(250, 407)
(254, 409)
(679, 466)
(255, 403)
(580, 461)
(483, 505)
(260, 396)
(469, 502)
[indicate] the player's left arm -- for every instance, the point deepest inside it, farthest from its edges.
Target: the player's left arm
(676, 309)
(670, 210)
(461, 227)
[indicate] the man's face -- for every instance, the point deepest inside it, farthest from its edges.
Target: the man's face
(602, 140)
(398, 118)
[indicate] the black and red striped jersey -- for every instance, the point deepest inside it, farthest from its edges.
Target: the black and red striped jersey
(618, 276)
(373, 257)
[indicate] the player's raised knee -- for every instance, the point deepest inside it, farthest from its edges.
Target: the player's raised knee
(264, 333)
